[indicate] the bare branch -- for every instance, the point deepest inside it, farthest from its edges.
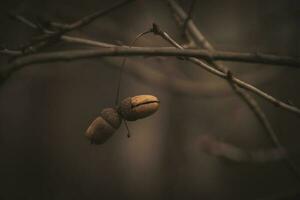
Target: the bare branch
(210, 54)
(89, 18)
(135, 51)
(225, 75)
(114, 50)
(215, 147)
(200, 53)
(65, 38)
(196, 88)
(195, 33)
(49, 36)
(189, 15)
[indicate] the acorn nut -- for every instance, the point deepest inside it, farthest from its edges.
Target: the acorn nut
(104, 126)
(138, 107)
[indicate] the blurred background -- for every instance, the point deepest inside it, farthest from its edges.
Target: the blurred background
(46, 108)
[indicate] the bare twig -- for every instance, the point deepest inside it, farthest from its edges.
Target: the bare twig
(268, 127)
(204, 54)
(210, 54)
(199, 38)
(215, 147)
(135, 51)
(65, 38)
(195, 88)
(49, 36)
(251, 102)
(221, 72)
(89, 18)
(115, 50)
(189, 15)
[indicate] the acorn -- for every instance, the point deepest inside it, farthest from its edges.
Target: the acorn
(138, 107)
(104, 126)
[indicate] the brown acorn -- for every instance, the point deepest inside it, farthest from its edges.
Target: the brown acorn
(138, 107)
(104, 126)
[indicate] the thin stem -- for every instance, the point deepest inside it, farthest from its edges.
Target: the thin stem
(127, 128)
(123, 66)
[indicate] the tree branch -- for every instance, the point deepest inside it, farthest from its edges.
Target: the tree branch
(198, 37)
(225, 74)
(195, 88)
(200, 53)
(135, 51)
(215, 147)
(89, 18)
(48, 36)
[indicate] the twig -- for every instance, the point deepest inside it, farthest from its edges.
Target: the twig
(189, 15)
(194, 88)
(215, 147)
(201, 40)
(70, 39)
(209, 55)
(200, 53)
(135, 51)
(115, 50)
(221, 73)
(89, 18)
(49, 36)
(268, 127)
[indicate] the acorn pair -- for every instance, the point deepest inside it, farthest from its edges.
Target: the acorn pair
(110, 119)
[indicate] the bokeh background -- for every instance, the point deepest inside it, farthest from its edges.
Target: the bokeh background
(46, 108)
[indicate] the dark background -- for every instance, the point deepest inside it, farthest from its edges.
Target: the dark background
(45, 109)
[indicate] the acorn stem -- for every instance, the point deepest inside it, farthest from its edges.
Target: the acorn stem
(127, 128)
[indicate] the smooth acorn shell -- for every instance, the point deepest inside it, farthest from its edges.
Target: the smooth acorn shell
(138, 107)
(104, 126)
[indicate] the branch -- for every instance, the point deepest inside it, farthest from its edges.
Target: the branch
(89, 18)
(200, 53)
(227, 75)
(198, 37)
(210, 54)
(195, 88)
(176, 85)
(135, 51)
(215, 147)
(50, 36)
(189, 15)
(194, 31)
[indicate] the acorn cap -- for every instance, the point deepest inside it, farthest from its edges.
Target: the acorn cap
(112, 117)
(138, 107)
